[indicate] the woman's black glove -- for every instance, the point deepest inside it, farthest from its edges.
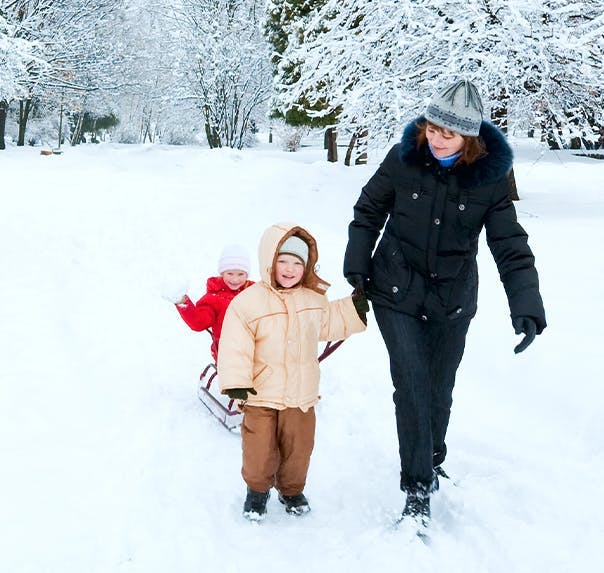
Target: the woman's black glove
(527, 326)
(359, 282)
(240, 393)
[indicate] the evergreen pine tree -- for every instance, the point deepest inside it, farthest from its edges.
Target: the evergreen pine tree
(285, 30)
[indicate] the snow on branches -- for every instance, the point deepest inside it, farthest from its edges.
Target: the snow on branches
(538, 64)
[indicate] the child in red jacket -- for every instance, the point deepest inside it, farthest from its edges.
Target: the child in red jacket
(208, 312)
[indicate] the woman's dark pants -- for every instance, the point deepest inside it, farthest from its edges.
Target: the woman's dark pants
(424, 357)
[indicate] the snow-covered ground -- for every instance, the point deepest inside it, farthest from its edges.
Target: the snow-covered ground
(108, 461)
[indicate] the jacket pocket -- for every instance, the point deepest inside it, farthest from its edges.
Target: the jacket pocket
(470, 211)
(463, 292)
(391, 272)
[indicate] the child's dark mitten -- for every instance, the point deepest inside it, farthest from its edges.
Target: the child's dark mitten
(361, 305)
(240, 393)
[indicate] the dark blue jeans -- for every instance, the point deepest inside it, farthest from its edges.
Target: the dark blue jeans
(424, 358)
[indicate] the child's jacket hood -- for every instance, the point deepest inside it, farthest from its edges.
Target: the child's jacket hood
(268, 249)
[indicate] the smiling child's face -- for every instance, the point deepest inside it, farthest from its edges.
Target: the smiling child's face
(234, 279)
(289, 270)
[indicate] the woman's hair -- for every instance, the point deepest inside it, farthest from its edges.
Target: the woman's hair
(473, 147)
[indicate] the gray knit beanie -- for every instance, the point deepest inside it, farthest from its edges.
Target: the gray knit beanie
(295, 246)
(457, 108)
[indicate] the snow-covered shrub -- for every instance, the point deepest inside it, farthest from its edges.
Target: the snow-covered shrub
(125, 134)
(179, 135)
(290, 137)
(44, 131)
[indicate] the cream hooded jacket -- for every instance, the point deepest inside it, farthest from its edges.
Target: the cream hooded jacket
(270, 335)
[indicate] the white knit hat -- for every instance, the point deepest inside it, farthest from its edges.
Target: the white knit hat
(234, 258)
(295, 246)
(457, 107)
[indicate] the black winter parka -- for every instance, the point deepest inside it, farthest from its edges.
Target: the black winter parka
(425, 263)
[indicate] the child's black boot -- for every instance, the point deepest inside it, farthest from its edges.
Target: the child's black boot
(295, 504)
(254, 507)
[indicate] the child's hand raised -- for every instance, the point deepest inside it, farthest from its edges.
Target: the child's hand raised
(174, 291)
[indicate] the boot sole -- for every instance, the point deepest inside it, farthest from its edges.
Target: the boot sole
(254, 516)
(297, 510)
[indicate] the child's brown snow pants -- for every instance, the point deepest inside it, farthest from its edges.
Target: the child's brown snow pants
(276, 448)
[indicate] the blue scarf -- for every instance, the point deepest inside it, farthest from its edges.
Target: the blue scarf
(446, 162)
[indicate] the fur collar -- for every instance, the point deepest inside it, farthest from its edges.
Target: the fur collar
(489, 169)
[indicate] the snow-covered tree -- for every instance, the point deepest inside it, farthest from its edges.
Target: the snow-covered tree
(538, 64)
(148, 105)
(344, 60)
(286, 22)
(227, 66)
(16, 57)
(75, 56)
(567, 93)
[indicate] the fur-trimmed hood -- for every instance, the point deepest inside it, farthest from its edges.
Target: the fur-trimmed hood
(268, 249)
(488, 169)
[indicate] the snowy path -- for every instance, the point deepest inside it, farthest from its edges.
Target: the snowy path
(111, 464)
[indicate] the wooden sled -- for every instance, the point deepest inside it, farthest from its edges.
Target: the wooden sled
(223, 408)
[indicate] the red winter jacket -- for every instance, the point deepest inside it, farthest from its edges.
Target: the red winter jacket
(208, 312)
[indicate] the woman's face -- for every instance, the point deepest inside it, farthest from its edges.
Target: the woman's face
(442, 141)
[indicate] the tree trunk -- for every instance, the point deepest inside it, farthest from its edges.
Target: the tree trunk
(24, 109)
(551, 131)
(361, 158)
(575, 143)
(60, 126)
(331, 141)
(146, 132)
(212, 136)
(513, 188)
(77, 132)
(499, 112)
(499, 116)
(3, 110)
(358, 141)
(353, 141)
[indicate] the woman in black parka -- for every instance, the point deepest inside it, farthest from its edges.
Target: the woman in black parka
(435, 191)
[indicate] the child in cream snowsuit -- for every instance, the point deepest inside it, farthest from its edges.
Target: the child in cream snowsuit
(268, 359)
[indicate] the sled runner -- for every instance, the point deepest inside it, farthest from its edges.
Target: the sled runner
(223, 408)
(220, 406)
